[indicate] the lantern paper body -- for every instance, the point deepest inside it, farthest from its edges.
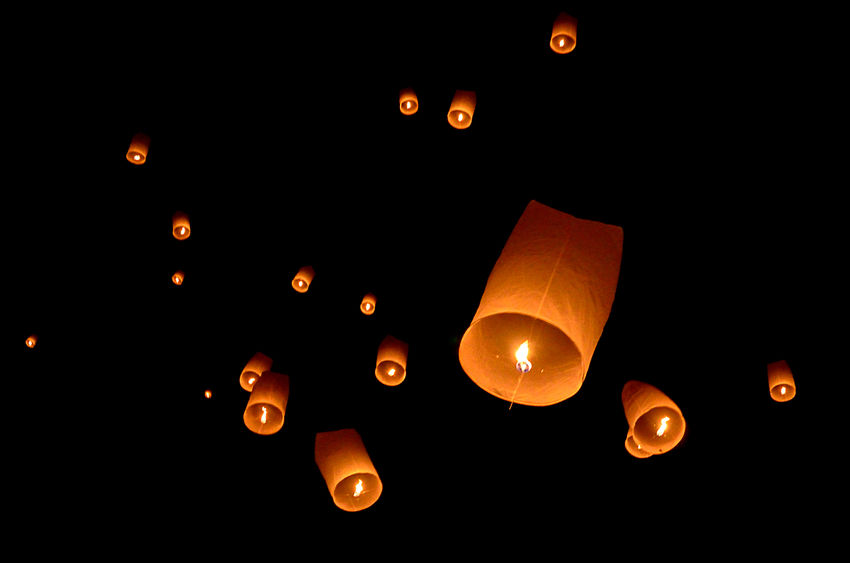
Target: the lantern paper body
(252, 371)
(408, 103)
(31, 341)
(779, 378)
(268, 399)
(462, 109)
(391, 364)
(563, 34)
(367, 305)
(301, 281)
(634, 448)
(138, 151)
(553, 285)
(344, 463)
(178, 277)
(648, 412)
(180, 226)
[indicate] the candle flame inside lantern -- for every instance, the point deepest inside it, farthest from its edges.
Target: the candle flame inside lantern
(391, 371)
(561, 42)
(460, 116)
(358, 488)
(782, 390)
(31, 343)
(367, 306)
(407, 105)
(522, 363)
(136, 157)
(264, 416)
(252, 380)
(182, 230)
(663, 427)
(207, 394)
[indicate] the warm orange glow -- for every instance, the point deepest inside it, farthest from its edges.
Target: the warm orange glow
(138, 151)
(782, 390)
(522, 363)
(347, 469)
(462, 109)
(358, 488)
(266, 407)
(301, 281)
(781, 382)
(407, 105)
(561, 44)
(178, 278)
(252, 371)
(367, 304)
(460, 116)
(391, 361)
(180, 226)
(31, 341)
(563, 39)
(391, 371)
(251, 380)
(265, 416)
(207, 394)
(656, 423)
(408, 102)
(662, 428)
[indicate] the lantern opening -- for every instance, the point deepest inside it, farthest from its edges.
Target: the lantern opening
(357, 492)
(267, 418)
(391, 369)
(658, 429)
(565, 43)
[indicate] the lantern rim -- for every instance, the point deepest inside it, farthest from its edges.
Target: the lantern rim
(372, 485)
(569, 43)
(776, 393)
(392, 380)
(644, 430)
(274, 415)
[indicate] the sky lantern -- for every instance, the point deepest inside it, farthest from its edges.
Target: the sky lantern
(138, 151)
(655, 421)
(301, 281)
(462, 109)
(207, 394)
(408, 103)
(256, 366)
(391, 364)
(563, 34)
(367, 305)
(634, 448)
(180, 226)
(348, 471)
(544, 307)
(31, 341)
(781, 381)
(178, 277)
(267, 404)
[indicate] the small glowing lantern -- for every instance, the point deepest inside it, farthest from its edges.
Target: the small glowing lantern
(462, 109)
(391, 364)
(138, 151)
(367, 305)
(563, 34)
(301, 281)
(655, 422)
(634, 448)
(256, 366)
(267, 404)
(207, 394)
(178, 277)
(408, 103)
(344, 463)
(31, 340)
(781, 381)
(180, 226)
(544, 307)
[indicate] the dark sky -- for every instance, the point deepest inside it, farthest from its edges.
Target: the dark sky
(280, 136)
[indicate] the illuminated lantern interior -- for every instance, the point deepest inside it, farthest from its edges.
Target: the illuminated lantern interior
(180, 226)
(31, 341)
(391, 363)
(634, 448)
(178, 277)
(367, 305)
(256, 366)
(301, 281)
(138, 151)
(655, 421)
(347, 469)
(563, 38)
(462, 109)
(781, 381)
(408, 103)
(267, 404)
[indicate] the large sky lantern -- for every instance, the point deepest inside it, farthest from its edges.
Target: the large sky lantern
(408, 103)
(138, 151)
(180, 226)
(367, 304)
(545, 304)
(347, 469)
(301, 281)
(462, 109)
(655, 422)
(267, 404)
(781, 381)
(391, 363)
(563, 38)
(256, 366)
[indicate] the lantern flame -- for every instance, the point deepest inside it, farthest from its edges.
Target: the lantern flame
(251, 380)
(663, 427)
(561, 42)
(460, 116)
(522, 363)
(367, 306)
(136, 157)
(207, 394)
(264, 416)
(782, 390)
(391, 371)
(358, 488)
(408, 105)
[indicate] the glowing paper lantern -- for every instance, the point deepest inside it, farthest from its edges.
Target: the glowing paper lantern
(256, 366)
(634, 448)
(462, 109)
(138, 151)
(543, 308)
(408, 103)
(563, 34)
(367, 305)
(301, 281)
(178, 277)
(180, 226)
(344, 463)
(391, 364)
(655, 421)
(31, 340)
(207, 394)
(781, 381)
(267, 404)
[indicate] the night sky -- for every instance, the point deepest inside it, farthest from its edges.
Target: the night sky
(280, 136)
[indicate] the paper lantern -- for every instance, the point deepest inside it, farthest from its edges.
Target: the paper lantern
(301, 281)
(391, 364)
(462, 109)
(367, 305)
(408, 103)
(178, 277)
(344, 463)
(207, 394)
(256, 366)
(563, 34)
(138, 151)
(655, 421)
(634, 448)
(543, 308)
(31, 340)
(781, 381)
(267, 403)
(180, 226)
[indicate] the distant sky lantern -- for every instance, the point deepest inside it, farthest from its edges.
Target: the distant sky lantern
(301, 281)
(138, 151)
(781, 381)
(207, 394)
(408, 103)
(655, 421)
(252, 371)
(178, 277)
(180, 226)
(391, 364)
(31, 341)
(462, 109)
(544, 307)
(563, 34)
(634, 448)
(367, 305)
(348, 471)
(267, 404)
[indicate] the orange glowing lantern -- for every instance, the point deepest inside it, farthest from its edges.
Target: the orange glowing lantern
(178, 277)
(207, 394)
(634, 448)
(391, 364)
(180, 226)
(781, 381)
(31, 340)
(267, 403)
(655, 421)
(138, 151)
(544, 307)
(563, 38)
(367, 305)
(256, 366)
(348, 471)
(462, 109)
(408, 103)
(301, 281)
